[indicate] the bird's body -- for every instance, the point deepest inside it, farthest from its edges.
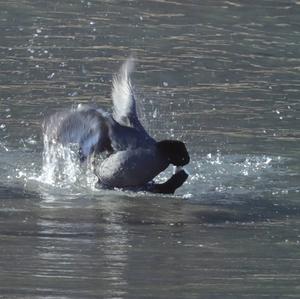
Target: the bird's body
(131, 168)
(135, 158)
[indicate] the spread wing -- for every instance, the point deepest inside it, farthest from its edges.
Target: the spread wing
(124, 103)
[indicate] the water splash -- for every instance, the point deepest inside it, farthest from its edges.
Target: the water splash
(62, 168)
(220, 174)
(234, 174)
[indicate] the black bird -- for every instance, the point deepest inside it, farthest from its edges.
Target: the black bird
(134, 158)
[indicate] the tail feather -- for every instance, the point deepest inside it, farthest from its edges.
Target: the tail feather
(124, 106)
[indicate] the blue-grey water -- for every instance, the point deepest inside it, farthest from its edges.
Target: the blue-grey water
(223, 76)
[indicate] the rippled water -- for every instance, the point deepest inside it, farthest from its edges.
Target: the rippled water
(221, 75)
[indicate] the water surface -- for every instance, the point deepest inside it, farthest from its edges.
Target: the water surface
(223, 76)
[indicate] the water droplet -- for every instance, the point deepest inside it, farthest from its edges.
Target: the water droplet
(187, 195)
(73, 94)
(51, 76)
(268, 160)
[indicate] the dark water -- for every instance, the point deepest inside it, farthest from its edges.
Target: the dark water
(224, 76)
